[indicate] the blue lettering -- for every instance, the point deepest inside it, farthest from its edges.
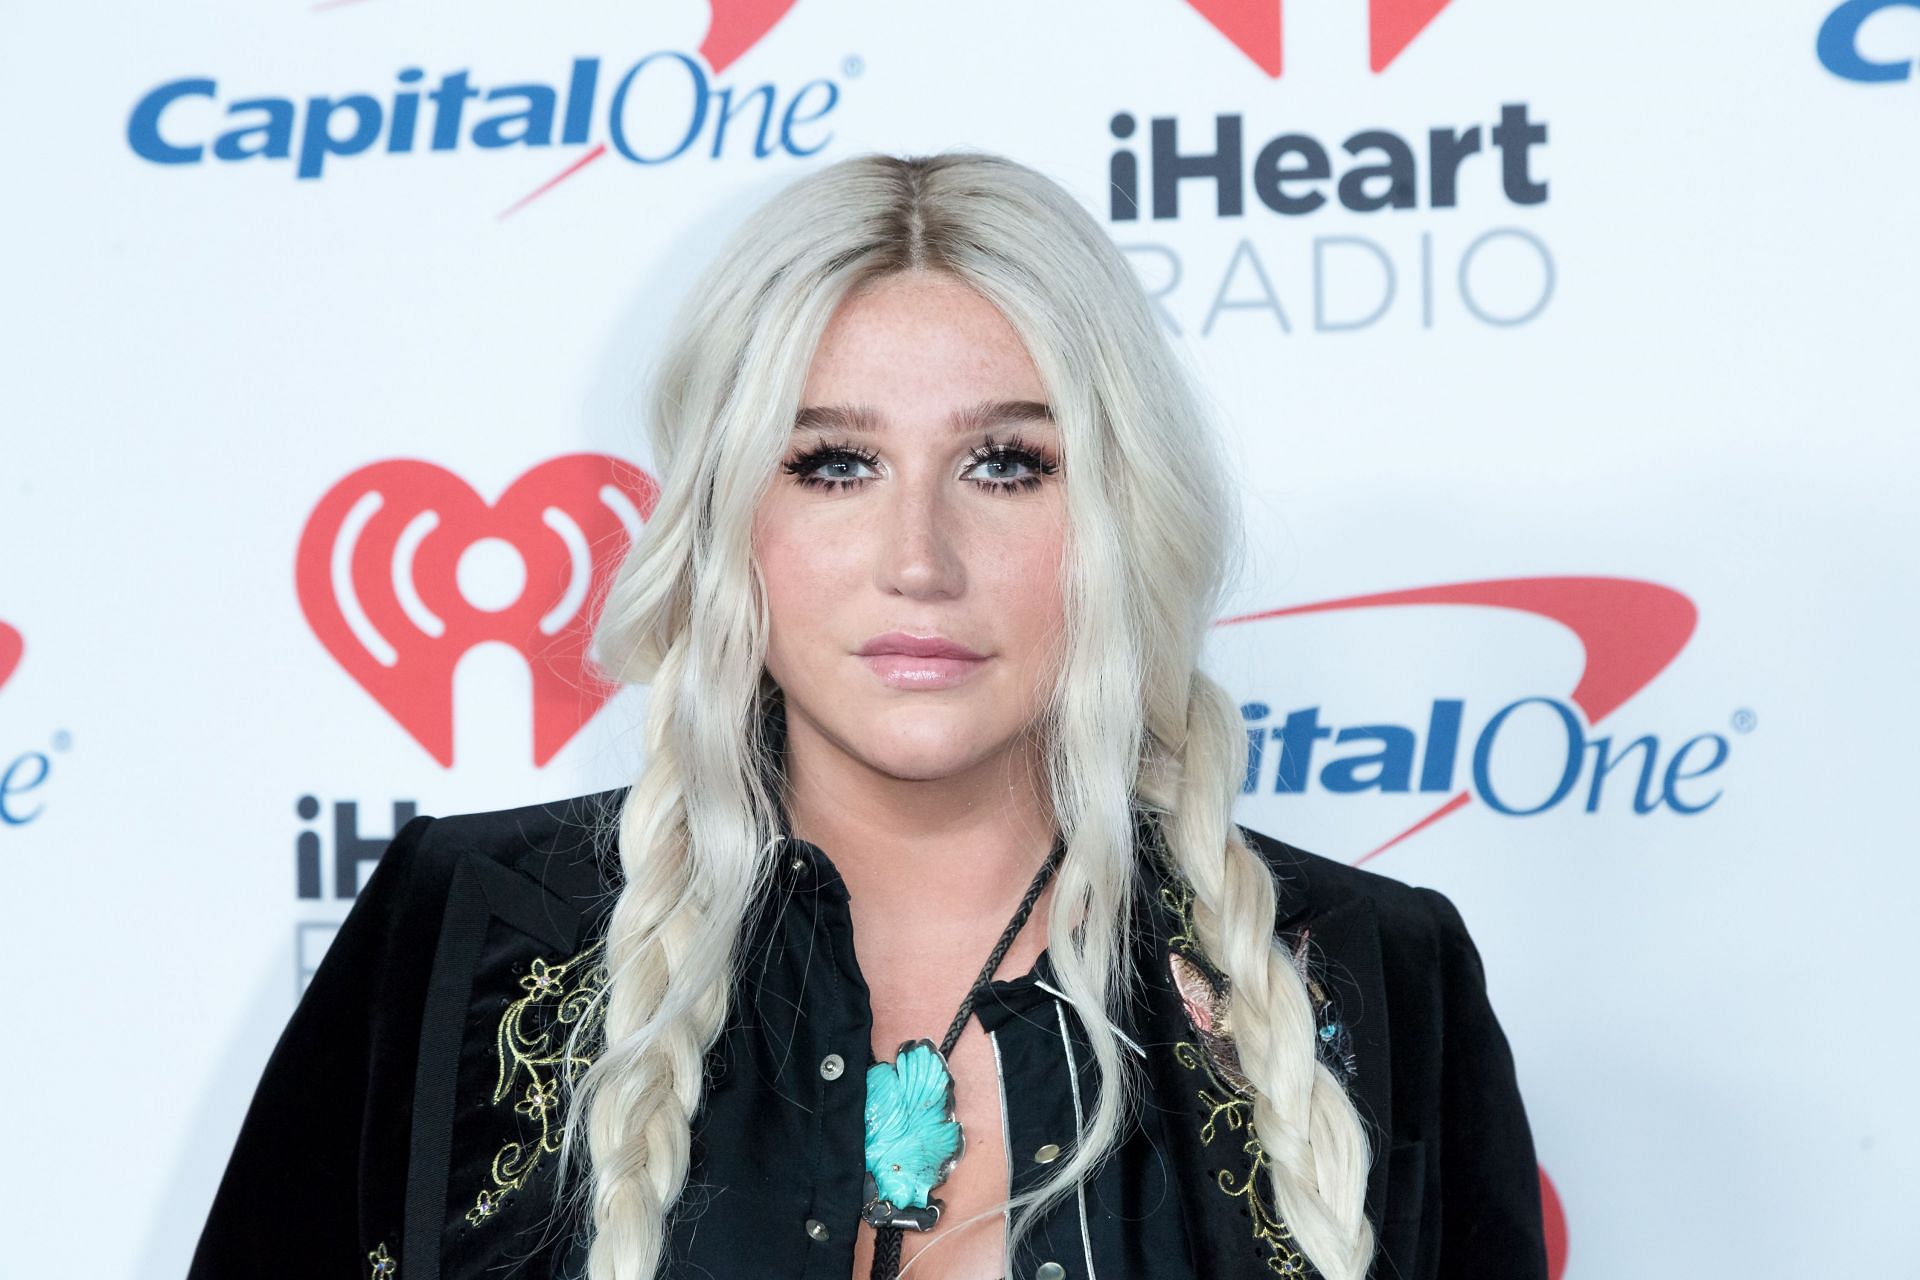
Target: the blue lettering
(1393, 763)
(1483, 751)
(406, 113)
(580, 92)
(1389, 766)
(275, 131)
(1838, 44)
(143, 126)
(791, 118)
(727, 109)
(535, 119)
(12, 785)
(273, 128)
(1301, 730)
(317, 141)
(1675, 776)
(449, 100)
(616, 123)
(1604, 763)
(1443, 743)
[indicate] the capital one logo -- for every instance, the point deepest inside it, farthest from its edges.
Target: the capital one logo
(1629, 632)
(384, 574)
(1255, 27)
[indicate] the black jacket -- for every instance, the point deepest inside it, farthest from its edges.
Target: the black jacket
(403, 1128)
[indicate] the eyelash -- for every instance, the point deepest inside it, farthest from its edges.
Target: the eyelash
(842, 451)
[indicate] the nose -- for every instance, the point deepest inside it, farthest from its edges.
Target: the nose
(919, 542)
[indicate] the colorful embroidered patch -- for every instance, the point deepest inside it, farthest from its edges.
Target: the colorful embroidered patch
(1226, 1097)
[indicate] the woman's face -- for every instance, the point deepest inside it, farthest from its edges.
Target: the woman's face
(921, 496)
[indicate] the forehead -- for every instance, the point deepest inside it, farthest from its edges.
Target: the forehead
(920, 341)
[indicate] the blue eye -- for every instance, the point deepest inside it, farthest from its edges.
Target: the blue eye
(814, 468)
(1017, 453)
(803, 468)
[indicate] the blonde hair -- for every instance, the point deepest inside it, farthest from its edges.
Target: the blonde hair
(1131, 724)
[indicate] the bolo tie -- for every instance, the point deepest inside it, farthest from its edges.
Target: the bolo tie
(913, 1140)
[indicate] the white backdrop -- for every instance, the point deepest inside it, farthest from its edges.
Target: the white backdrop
(1627, 414)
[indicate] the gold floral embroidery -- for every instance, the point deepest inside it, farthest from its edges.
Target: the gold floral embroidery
(531, 1041)
(1226, 1098)
(383, 1267)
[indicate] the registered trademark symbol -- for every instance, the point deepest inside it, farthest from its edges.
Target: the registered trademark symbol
(1744, 721)
(853, 66)
(62, 740)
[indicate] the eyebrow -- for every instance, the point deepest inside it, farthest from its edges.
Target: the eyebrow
(861, 419)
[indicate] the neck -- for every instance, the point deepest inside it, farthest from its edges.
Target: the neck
(962, 848)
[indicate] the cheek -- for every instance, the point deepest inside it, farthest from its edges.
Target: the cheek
(799, 570)
(1027, 590)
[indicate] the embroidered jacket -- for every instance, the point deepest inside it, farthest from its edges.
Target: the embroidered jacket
(407, 1127)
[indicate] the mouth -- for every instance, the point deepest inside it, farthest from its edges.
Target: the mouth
(904, 661)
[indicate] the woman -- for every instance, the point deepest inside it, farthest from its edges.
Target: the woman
(925, 943)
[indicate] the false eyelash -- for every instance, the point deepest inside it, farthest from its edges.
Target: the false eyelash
(1014, 449)
(801, 466)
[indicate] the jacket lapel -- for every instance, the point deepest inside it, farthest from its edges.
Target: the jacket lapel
(482, 891)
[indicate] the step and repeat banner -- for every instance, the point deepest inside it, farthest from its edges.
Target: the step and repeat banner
(1567, 355)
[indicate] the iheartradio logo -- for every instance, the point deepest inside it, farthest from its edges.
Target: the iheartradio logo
(386, 575)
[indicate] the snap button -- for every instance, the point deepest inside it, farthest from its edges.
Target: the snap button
(818, 1230)
(1050, 1271)
(831, 1066)
(1047, 1155)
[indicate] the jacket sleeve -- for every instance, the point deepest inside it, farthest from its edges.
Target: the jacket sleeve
(291, 1201)
(1490, 1217)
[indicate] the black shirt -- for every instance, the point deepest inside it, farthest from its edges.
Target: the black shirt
(404, 1126)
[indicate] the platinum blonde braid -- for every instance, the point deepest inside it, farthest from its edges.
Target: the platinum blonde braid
(1315, 1145)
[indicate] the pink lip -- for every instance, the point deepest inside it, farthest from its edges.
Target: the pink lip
(903, 661)
(904, 671)
(899, 642)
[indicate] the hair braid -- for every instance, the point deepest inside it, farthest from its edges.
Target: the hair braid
(1316, 1146)
(669, 942)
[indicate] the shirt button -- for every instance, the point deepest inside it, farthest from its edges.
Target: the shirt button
(1050, 1271)
(818, 1230)
(1047, 1155)
(831, 1066)
(798, 863)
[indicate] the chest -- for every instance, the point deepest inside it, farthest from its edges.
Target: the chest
(777, 1163)
(917, 996)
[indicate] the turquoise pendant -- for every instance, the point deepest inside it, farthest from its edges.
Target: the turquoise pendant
(913, 1140)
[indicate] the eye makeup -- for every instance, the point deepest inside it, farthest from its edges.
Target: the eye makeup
(1012, 452)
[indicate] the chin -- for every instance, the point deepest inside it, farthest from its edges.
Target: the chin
(922, 746)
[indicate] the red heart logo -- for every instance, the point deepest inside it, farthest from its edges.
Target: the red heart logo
(395, 617)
